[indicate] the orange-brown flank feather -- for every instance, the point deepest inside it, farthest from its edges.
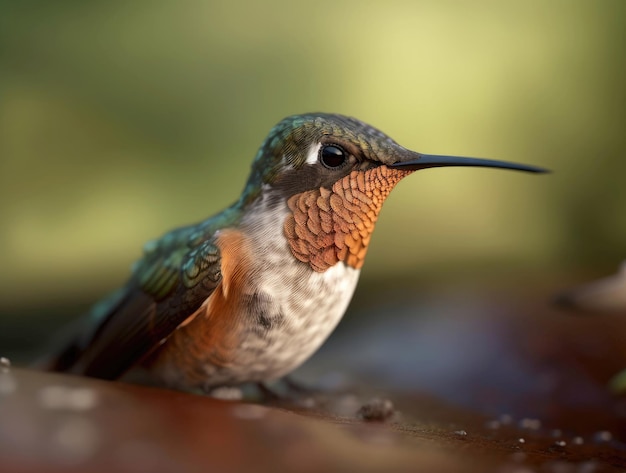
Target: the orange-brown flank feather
(328, 226)
(211, 333)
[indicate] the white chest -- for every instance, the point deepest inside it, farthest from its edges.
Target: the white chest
(297, 307)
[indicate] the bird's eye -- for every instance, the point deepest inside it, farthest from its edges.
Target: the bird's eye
(332, 156)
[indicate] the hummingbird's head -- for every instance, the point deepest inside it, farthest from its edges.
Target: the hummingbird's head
(309, 151)
(335, 172)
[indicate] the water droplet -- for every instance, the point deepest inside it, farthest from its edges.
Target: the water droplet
(460, 433)
(307, 402)
(603, 436)
(531, 424)
(64, 397)
(521, 440)
(249, 411)
(52, 397)
(5, 364)
(578, 440)
(345, 405)
(506, 419)
(560, 443)
(82, 399)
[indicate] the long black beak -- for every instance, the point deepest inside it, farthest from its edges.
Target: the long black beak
(423, 161)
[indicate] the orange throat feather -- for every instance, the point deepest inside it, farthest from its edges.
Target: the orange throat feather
(327, 226)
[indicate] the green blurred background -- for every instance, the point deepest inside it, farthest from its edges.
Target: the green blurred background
(120, 120)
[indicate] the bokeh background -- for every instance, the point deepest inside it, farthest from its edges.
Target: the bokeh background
(120, 120)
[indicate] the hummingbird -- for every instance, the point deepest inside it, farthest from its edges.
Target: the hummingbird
(250, 293)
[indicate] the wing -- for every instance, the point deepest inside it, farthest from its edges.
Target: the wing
(175, 276)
